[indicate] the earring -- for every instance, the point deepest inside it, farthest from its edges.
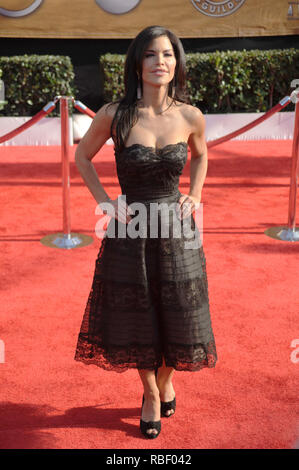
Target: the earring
(173, 88)
(138, 91)
(138, 88)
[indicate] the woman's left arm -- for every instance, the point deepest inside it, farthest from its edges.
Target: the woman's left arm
(198, 164)
(199, 155)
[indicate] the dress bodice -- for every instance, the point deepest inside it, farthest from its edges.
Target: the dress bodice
(147, 173)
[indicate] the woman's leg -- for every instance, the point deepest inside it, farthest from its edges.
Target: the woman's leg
(151, 407)
(164, 383)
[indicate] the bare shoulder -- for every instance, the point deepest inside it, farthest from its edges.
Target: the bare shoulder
(110, 109)
(105, 113)
(103, 118)
(193, 116)
(196, 124)
(98, 132)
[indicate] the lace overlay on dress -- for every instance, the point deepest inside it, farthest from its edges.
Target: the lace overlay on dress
(149, 296)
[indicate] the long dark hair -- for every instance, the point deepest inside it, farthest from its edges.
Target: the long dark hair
(127, 112)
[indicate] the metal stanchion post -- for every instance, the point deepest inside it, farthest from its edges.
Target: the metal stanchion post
(66, 239)
(290, 233)
(65, 139)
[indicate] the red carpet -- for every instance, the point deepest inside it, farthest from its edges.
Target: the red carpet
(249, 400)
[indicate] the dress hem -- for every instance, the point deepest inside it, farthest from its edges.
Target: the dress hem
(204, 356)
(112, 368)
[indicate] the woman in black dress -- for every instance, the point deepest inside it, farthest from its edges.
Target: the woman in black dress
(148, 307)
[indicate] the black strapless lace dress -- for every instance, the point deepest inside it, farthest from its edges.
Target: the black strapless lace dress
(149, 295)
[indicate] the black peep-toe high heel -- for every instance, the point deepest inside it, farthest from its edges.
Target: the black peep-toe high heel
(145, 426)
(167, 405)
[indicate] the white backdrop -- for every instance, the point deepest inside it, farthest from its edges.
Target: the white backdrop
(47, 131)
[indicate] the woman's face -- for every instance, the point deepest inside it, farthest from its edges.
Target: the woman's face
(159, 54)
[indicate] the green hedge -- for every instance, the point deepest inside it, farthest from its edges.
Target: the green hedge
(31, 81)
(225, 82)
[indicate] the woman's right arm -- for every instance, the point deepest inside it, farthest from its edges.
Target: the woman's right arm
(96, 136)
